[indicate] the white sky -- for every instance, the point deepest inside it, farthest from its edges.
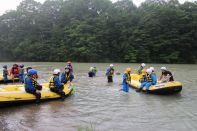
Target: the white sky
(12, 4)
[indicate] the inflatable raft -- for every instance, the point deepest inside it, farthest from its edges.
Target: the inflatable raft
(9, 79)
(16, 94)
(159, 88)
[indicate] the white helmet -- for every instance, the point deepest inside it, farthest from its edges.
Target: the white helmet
(143, 64)
(56, 71)
(163, 68)
(149, 71)
(152, 68)
(111, 65)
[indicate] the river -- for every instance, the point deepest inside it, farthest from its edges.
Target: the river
(99, 106)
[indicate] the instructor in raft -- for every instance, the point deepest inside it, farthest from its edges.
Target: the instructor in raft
(110, 73)
(126, 80)
(166, 75)
(55, 85)
(150, 80)
(140, 68)
(31, 84)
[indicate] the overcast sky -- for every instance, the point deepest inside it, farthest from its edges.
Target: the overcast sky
(12, 4)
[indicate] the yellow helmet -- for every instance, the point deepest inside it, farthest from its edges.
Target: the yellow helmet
(144, 71)
(128, 70)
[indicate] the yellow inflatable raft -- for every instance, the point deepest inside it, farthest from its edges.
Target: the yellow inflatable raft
(159, 88)
(9, 79)
(16, 94)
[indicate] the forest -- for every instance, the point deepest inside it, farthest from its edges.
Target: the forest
(157, 31)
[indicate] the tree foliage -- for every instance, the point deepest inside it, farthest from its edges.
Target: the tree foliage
(158, 31)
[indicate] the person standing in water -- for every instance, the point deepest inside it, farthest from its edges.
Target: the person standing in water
(126, 80)
(5, 74)
(110, 73)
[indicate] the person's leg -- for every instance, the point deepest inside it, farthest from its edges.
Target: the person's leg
(125, 87)
(110, 79)
(141, 86)
(36, 94)
(148, 85)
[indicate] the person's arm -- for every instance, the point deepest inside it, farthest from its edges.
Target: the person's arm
(71, 77)
(107, 72)
(63, 78)
(154, 78)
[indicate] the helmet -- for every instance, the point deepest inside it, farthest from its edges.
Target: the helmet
(111, 65)
(149, 71)
(163, 68)
(152, 68)
(128, 70)
(21, 65)
(143, 64)
(56, 71)
(4, 66)
(68, 67)
(144, 71)
(91, 68)
(32, 72)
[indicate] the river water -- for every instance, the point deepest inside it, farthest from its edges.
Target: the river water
(99, 106)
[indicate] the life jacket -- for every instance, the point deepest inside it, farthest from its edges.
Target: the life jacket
(34, 82)
(51, 82)
(5, 72)
(67, 76)
(128, 77)
(142, 78)
(15, 70)
(148, 77)
(139, 69)
(111, 72)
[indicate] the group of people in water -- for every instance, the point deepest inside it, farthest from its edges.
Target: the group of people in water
(56, 84)
(30, 77)
(147, 77)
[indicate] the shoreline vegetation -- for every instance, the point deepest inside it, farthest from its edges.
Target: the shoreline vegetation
(158, 31)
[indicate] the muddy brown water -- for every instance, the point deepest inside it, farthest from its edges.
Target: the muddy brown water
(97, 105)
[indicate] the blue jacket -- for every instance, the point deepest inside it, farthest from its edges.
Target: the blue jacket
(29, 84)
(69, 78)
(154, 78)
(57, 81)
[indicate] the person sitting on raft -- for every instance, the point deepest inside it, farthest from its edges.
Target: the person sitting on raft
(126, 80)
(5, 74)
(110, 72)
(143, 76)
(14, 72)
(165, 75)
(31, 84)
(21, 73)
(91, 72)
(67, 76)
(55, 85)
(140, 68)
(150, 80)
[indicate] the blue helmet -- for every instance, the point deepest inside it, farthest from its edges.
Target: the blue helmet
(4, 66)
(21, 65)
(32, 72)
(68, 67)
